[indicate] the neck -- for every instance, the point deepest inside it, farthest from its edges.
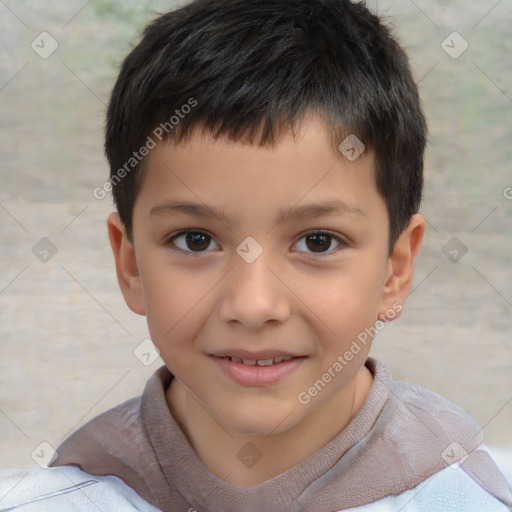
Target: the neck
(221, 449)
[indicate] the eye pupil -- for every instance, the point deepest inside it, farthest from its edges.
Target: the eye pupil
(197, 239)
(320, 242)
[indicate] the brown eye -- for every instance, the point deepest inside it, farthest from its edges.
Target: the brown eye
(319, 242)
(192, 241)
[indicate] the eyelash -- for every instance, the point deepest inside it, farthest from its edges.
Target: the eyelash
(341, 243)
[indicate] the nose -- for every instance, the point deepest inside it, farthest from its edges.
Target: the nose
(254, 296)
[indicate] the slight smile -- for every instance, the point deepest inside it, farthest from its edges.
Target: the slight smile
(257, 369)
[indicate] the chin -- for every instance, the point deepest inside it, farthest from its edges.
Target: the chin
(256, 421)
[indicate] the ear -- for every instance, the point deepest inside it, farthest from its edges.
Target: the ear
(400, 268)
(126, 264)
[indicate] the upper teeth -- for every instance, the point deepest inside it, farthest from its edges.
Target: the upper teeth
(261, 362)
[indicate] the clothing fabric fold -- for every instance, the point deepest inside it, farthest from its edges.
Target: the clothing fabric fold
(402, 436)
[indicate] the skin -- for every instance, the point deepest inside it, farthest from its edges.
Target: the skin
(291, 298)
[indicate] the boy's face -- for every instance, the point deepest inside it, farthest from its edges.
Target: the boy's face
(261, 281)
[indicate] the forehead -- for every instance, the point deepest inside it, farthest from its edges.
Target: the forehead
(300, 169)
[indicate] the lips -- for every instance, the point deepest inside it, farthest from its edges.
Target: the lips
(257, 355)
(256, 368)
(259, 362)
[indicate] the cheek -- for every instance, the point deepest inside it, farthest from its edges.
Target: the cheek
(348, 301)
(174, 304)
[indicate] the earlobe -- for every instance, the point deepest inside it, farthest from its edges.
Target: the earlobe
(401, 267)
(126, 264)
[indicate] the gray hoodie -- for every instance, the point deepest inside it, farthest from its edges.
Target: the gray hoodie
(406, 449)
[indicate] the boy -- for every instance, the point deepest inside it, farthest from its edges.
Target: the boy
(266, 163)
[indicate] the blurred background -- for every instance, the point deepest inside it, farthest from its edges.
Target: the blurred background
(70, 348)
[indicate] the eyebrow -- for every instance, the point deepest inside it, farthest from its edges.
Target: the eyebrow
(307, 211)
